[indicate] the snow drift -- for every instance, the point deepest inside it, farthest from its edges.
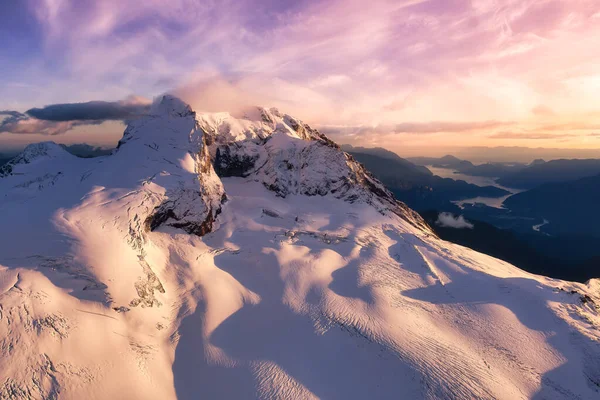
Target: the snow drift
(286, 271)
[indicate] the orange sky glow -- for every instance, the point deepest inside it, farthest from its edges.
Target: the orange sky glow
(405, 74)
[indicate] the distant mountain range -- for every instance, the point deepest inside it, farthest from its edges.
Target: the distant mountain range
(416, 185)
(488, 170)
(383, 153)
(82, 150)
(441, 162)
(516, 175)
(570, 207)
(551, 172)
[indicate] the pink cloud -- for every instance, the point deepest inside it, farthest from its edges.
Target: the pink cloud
(36, 126)
(332, 62)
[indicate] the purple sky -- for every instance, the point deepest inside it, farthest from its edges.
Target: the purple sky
(388, 73)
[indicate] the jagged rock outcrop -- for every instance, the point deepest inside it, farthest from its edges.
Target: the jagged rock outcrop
(287, 157)
(192, 194)
(31, 153)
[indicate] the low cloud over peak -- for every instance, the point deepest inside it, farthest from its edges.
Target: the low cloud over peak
(60, 118)
(91, 111)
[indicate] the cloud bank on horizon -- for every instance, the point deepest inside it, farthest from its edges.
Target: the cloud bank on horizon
(56, 119)
(397, 72)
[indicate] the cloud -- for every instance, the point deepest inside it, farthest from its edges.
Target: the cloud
(448, 220)
(574, 126)
(92, 111)
(18, 123)
(531, 135)
(15, 115)
(540, 135)
(327, 62)
(453, 127)
(56, 119)
(217, 93)
(542, 111)
(357, 57)
(415, 128)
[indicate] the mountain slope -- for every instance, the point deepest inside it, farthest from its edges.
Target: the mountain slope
(447, 161)
(521, 250)
(419, 190)
(293, 275)
(381, 152)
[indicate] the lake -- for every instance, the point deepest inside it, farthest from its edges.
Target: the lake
(495, 202)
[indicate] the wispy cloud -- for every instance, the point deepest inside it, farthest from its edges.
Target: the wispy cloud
(335, 62)
(572, 126)
(531, 135)
(453, 127)
(18, 123)
(416, 128)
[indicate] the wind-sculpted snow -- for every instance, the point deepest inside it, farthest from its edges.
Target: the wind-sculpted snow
(129, 276)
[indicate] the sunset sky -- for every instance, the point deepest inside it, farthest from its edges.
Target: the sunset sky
(373, 73)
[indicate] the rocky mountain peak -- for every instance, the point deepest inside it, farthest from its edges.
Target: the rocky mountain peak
(289, 157)
(170, 106)
(32, 153)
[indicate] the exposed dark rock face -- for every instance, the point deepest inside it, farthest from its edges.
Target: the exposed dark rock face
(167, 214)
(227, 163)
(290, 158)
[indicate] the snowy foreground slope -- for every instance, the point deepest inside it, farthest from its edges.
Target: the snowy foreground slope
(290, 274)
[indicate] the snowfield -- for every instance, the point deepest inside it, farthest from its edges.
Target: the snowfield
(291, 274)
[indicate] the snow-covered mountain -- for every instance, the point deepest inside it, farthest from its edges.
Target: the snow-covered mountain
(290, 272)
